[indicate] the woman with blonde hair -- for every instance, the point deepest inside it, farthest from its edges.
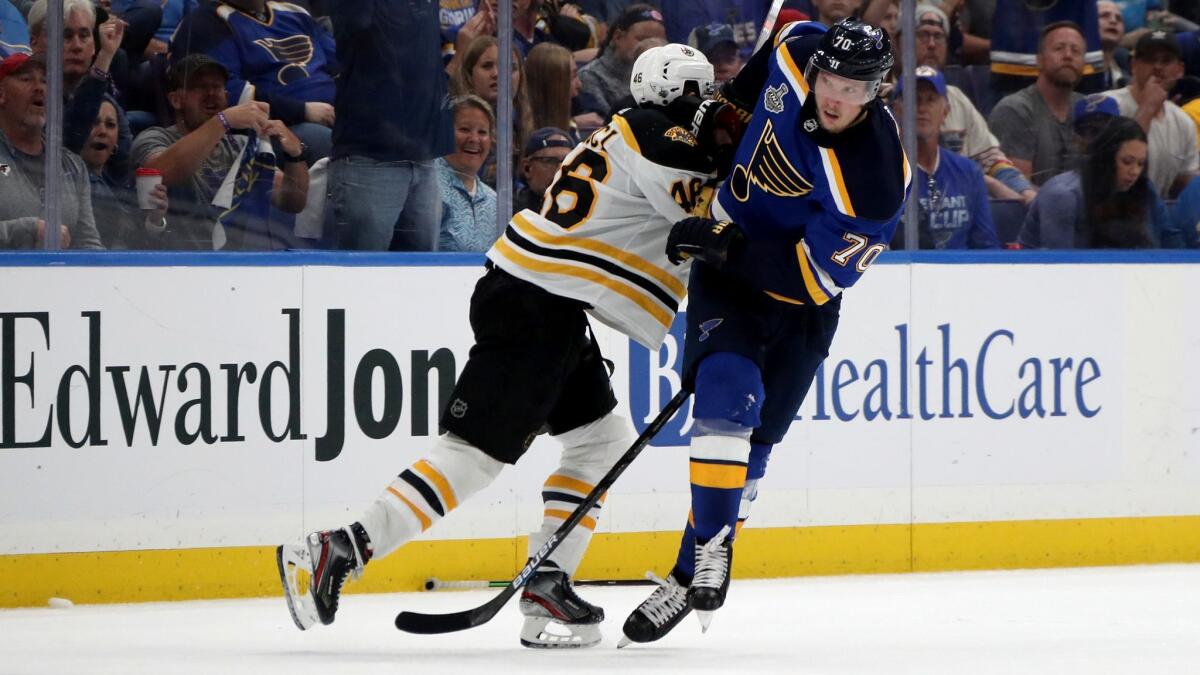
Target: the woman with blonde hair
(479, 74)
(468, 205)
(553, 82)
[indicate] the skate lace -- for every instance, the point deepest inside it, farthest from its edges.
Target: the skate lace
(712, 561)
(353, 572)
(568, 590)
(667, 600)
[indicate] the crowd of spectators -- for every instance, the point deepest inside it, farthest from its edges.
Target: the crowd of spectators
(371, 124)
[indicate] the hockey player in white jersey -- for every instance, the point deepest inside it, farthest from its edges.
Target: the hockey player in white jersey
(595, 248)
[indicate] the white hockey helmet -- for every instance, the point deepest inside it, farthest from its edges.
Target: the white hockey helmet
(661, 74)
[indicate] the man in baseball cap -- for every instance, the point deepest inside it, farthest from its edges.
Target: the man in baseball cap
(716, 41)
(953, 197)
(1154, 69)
(1092, 115)
(23, 95)
(544, 153)
(20, 62)
(191, 67)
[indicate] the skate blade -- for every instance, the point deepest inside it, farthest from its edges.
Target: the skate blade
(624, 642)
(546, 633)
(295, 574)
(705, 619)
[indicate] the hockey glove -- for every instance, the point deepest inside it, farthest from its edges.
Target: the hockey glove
(712, 241)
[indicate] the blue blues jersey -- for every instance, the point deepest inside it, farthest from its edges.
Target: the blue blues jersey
(955, 212)
(745, 16)
(816, 208)
(289, 58)
(1016, 30)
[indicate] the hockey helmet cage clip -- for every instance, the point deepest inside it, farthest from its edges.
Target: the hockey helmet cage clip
(851, 50)
(662, 74)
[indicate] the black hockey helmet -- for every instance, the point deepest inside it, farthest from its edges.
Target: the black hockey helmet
(854, 50)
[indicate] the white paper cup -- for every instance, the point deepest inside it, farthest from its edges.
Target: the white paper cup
(146, 180)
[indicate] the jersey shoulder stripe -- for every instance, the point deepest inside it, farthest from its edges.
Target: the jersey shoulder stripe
(587, 274)
(524, 226)
(650, 134)
(518, 239)
(867, 167)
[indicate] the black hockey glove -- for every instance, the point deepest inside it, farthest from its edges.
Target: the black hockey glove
(713, 241)
(717, 126)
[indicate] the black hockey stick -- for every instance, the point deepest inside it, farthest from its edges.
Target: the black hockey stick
(435, 584)
(429, 624)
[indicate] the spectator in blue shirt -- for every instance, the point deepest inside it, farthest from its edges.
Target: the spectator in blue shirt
(1107, 203)
(953, 197)
(468, 204)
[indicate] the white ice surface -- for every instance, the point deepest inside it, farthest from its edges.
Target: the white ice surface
(1131, 620)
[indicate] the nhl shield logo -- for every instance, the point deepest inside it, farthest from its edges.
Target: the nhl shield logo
(458, 409)
(773, 99)
(810, 125)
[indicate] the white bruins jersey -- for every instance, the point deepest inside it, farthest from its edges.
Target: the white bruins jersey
(601, 235)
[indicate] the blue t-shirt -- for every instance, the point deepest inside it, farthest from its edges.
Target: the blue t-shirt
(173, 12)
(955, 212)
(391, 93)
(1134, 12)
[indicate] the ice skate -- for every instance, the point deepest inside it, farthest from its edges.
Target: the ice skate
(709, 586)
(661, 612)
(312, 573)
(555, 616)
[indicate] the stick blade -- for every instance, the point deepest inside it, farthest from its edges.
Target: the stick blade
(433, 624)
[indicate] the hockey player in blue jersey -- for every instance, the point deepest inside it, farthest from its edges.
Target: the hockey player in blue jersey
(595, 249)
(816, 189)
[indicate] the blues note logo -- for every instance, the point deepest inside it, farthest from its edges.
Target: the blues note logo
(708, 327)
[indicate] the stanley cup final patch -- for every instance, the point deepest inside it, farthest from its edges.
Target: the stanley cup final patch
(773, 98)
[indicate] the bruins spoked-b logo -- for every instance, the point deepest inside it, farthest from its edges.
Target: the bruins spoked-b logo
(769, 169)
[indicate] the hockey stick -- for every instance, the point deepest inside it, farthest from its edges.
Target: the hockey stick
(429, 624)
(435, 584)
(768, 24)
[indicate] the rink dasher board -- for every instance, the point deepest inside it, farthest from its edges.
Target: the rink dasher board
(976, 411)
